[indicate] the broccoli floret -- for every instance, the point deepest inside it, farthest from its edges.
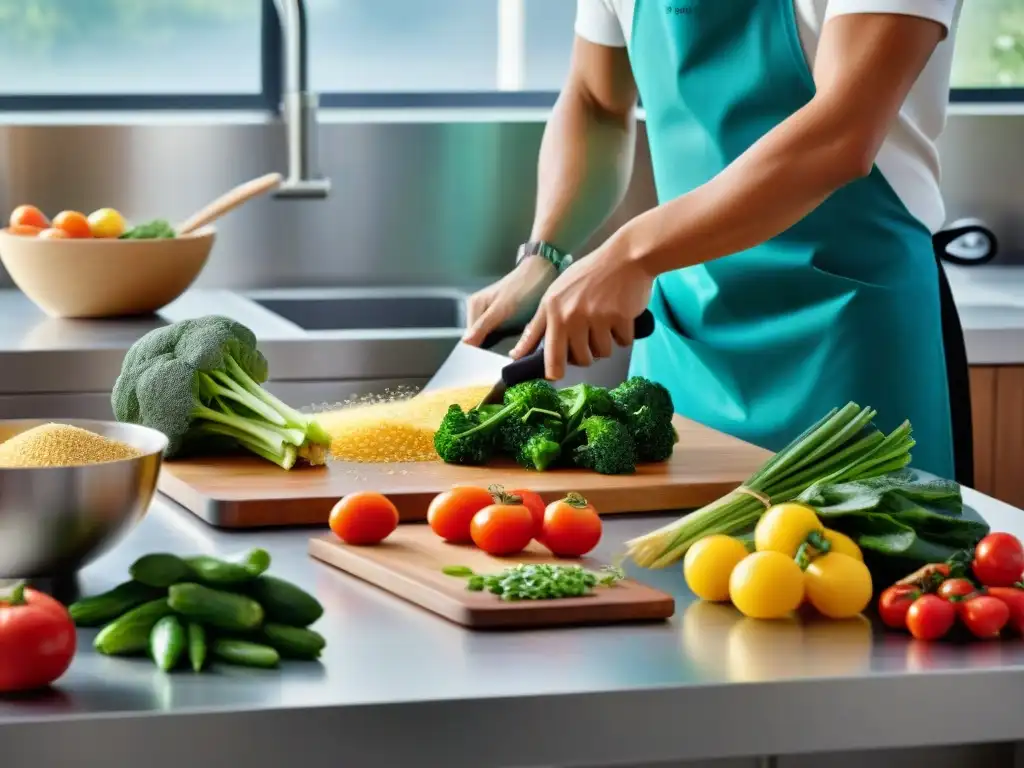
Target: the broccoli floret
(529, 405)
(463, 437)
(607, 447)
(584, 400)
(199, 382)
(472, 437)
(648, 412)
(541, 449)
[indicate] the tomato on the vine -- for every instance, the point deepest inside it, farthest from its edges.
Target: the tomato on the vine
(955, 589)
(894, 603)
(533, 502)
(571, 528)
(930, 617)
(998, 560)
(504, 527)
(984, 616)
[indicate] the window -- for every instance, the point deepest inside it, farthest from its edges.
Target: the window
(103, 54)
(153, 47)
(990, 45)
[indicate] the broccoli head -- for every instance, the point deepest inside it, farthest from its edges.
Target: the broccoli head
(541, 449)
(464, 437)
(584, 400)
(199, 382)
(526, 407)
(473, 436)
(648, 411)
(607, 447)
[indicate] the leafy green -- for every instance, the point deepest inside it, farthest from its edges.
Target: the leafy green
(908, 514)
(158, 229)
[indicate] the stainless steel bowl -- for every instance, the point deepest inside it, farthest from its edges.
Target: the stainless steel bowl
(55, 520)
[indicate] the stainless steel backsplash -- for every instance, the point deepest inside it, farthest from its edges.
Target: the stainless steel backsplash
(413, 202)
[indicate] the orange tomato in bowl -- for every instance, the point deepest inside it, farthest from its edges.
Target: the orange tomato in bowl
(502, 529)
(29, 216)
(24, 230)
(73, 223)
(52, 233)
(364, 518)
(572, 527)
(451, 513)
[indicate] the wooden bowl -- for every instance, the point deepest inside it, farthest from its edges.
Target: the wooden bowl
(101, 277)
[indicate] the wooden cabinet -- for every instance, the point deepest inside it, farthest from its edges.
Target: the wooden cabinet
(997, 403)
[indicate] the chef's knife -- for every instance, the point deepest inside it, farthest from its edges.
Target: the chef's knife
(469, 366)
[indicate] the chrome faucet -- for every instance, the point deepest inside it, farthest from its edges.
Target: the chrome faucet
(299, 106)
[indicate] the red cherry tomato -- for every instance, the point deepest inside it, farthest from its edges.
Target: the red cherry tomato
(1013, 597)
(533, 502)
(502, 529)
(37, 640)
(364, 518)
(998, 560)
(930, 617)
(894, 603)
(954, 589)
(450, 513)
(571, 527)
(984, 616)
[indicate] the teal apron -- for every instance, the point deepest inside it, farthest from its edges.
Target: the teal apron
(842, 306)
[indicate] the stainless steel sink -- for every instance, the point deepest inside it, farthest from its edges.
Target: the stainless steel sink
(367, 308)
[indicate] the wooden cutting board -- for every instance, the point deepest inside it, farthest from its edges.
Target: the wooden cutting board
(244, 492)
(408, 564)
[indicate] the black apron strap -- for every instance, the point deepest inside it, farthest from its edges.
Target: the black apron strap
(958, 375)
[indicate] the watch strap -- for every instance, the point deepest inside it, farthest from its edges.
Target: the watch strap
(550, 253)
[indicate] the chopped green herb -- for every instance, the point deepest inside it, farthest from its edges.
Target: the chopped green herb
(457, 570)
(543, 581)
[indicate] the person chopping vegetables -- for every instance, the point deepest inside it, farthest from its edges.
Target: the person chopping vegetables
(789, 264)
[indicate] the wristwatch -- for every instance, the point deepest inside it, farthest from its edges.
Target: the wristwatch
(550, 253)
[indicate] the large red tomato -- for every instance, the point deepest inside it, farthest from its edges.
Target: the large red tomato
(37, 640)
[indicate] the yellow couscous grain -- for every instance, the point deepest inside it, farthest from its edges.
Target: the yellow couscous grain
(393, 430)
(61, 445)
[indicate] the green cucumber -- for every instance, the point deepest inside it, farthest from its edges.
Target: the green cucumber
(227, 611)
(129, 634)
(196, 646)
(99, 609)
(214, 572)
(293, 642)
(160, 570)
(167, 642)
(245, 654)
(283, 602)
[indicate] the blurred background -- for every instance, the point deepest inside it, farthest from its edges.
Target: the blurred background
(432, 116)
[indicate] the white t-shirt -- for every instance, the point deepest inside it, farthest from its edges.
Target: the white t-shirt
(909, 157)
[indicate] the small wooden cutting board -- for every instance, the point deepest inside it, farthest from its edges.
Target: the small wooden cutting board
(244, 491)
(409, 564)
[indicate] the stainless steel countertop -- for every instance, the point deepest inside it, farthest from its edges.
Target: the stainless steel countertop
(401, 687)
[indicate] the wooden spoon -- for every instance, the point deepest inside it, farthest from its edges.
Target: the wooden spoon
(230, 200)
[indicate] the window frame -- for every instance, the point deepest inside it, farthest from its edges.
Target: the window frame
(268, 98)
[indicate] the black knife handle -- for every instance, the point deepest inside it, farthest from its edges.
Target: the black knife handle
(532, 366)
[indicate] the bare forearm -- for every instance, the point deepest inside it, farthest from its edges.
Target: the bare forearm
(586, 159)
(771, 187)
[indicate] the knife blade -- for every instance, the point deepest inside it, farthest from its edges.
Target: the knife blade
(469, 366)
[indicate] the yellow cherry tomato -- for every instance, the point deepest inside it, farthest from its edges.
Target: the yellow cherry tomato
(784, 527)
(843, 544)
(838, 586)
(767, 585)
(708, 565)
(106, 222)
